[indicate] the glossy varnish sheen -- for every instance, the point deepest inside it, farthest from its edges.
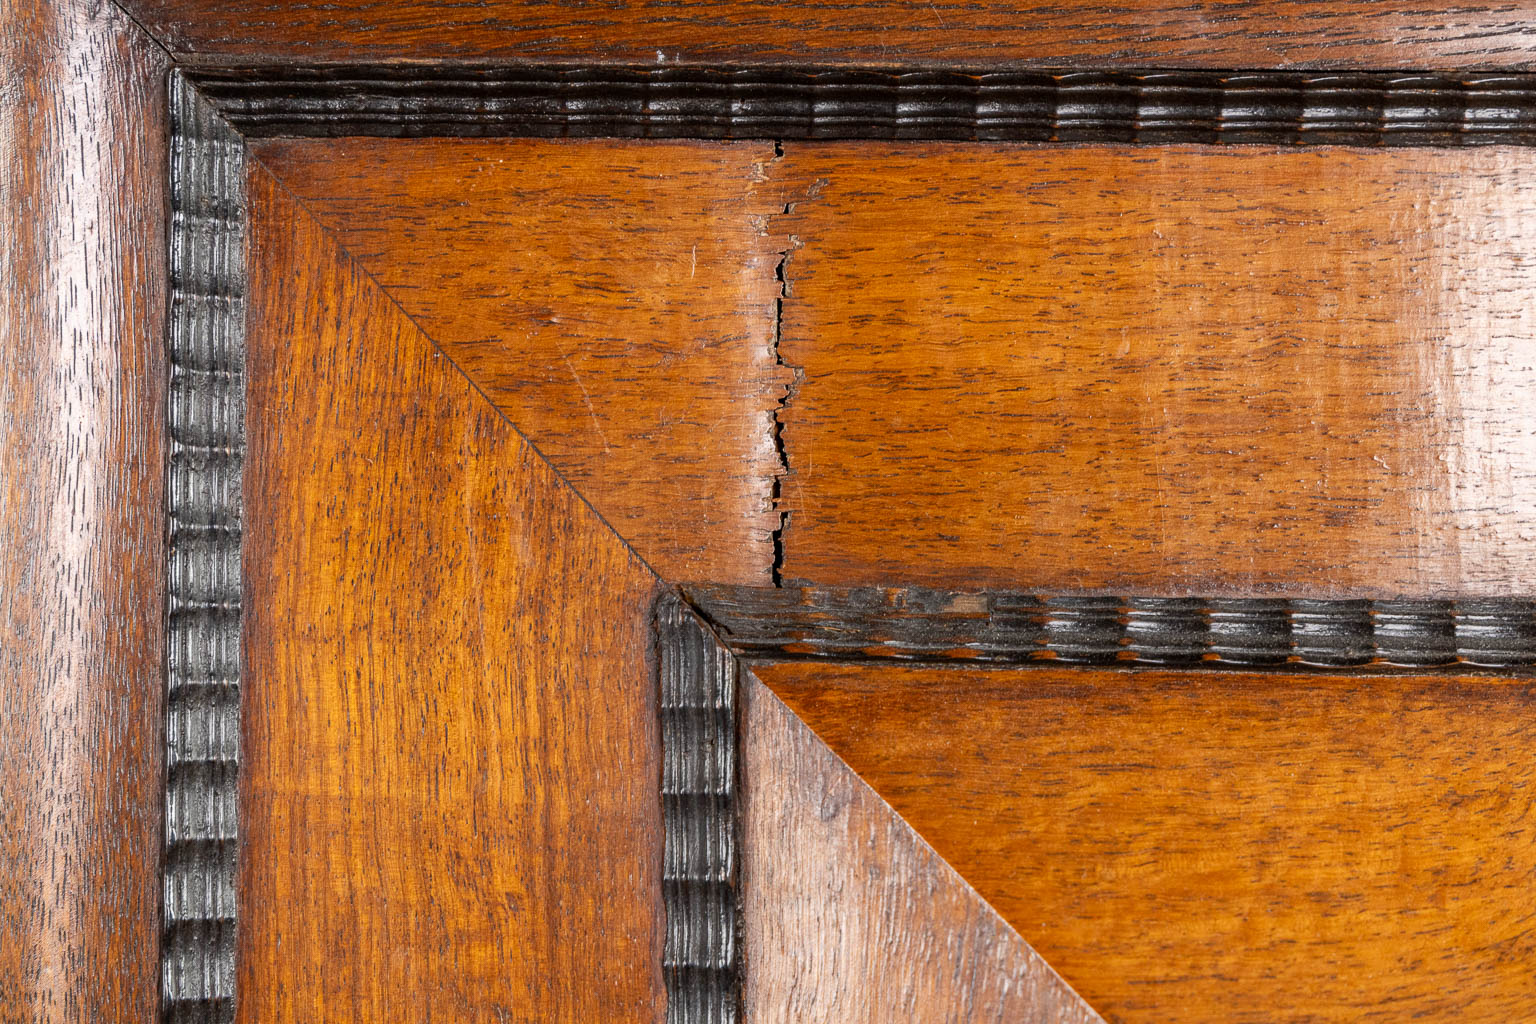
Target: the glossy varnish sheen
(1218, 847)
(849, 916)
(451, 767)
(1172, 370)
(1146, 33)
(615, 299)
(82, 513)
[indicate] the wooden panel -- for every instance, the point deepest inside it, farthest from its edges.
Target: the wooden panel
(82, 513)
(1244, 33)
(451, 759)
(849, 916)
(615, 299)
(1215, 846)
(1164, 370)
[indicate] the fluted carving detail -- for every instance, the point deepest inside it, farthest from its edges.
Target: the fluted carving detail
(923, 624)
(207, 417)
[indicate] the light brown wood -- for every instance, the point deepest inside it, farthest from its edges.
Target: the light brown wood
(1147, 33)
(1219, 846)
(450, 788)
(82, 513)
(615, 299)
(1163, 370)
(849, 916)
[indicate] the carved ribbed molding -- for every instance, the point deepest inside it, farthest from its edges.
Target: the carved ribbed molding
(698, 794)
(207, 416)
(1273, 107)
(912, 623)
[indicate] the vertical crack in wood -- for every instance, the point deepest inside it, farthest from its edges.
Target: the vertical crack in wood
(698, 792)
(207, 441)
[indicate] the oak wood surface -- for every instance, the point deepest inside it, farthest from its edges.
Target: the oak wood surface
(849, 916)
(82, 513)
(1219, 846)
(451, 762)
(1162, 370)
(1157, 33)
(615, 299)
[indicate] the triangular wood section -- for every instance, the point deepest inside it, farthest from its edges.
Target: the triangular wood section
(850, 916)
(1215, 846)
(451, 760)
(616, 299)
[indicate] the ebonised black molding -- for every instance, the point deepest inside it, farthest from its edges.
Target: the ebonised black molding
(698, 793)
(918, 624)
(1363, 109)
(207, 417)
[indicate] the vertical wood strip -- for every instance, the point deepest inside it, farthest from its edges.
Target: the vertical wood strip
(698, 793)
(207, 442)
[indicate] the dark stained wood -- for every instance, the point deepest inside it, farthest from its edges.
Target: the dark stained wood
(1219, 846)
(1276, 107)
(615, 300)
(1165, 371)
(82, 513)
(849, 916)
(451, 758)
(1156, 33)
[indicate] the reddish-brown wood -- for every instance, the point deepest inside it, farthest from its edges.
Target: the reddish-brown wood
(849, 916)
(82, 513)
(451, 760)
(1170, 369)
(1219, 846)
(1157, 33)
(615, 299)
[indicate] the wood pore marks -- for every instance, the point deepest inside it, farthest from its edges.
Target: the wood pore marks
(83, 171)
(1155, 33)
(451, 757)
(615, 299)
(849, 916)
(1219, 846)
(1165, 370)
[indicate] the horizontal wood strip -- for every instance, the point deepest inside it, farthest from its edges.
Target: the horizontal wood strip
(1357, 108)
(1174, 371)
(1149, 33)
(1219, 846)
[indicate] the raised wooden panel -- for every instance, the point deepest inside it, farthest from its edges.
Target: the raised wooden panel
(616, 300)
(1219, 846)
(1158, 33)
(82, 513)
(849, 916)
(1162, 370)
(450, 779)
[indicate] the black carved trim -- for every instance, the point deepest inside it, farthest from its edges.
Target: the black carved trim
(919, 624)
(1272, 107)
(698, 793)
(207, 440)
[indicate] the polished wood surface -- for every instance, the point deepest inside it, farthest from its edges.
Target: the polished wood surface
(615, 299)
(1219, 846)
(82, 513)
(1155, 33)
(450, 787)
(1161, 370)
(849, 916)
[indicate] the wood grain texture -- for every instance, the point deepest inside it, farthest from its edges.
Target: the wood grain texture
(615, 300)
(849, 916)
(1169, 371)
(1219, 846)
(82, 513)
(450, 786)
(1155, 33)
